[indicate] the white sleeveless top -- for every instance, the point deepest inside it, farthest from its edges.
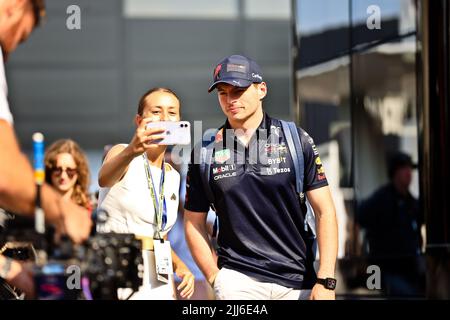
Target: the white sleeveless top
(129, 203)
(5, 113)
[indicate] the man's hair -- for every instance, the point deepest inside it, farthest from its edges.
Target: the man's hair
(38, 10)
(399, 160)
(142, 101)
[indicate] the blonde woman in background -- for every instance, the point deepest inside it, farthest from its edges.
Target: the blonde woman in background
(67, 170)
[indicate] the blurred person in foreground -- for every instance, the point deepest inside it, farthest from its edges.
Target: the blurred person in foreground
(18, 191)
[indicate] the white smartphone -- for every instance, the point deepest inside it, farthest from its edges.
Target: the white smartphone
(177, 132)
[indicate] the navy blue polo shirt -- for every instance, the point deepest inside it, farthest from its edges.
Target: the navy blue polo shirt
(261, 221)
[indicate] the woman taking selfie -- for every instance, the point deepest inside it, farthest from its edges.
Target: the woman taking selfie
(139, 192)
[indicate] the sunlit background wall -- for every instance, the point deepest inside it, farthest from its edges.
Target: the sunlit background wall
(85, 84)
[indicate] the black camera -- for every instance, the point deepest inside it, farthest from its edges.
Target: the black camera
(111, 261)
(94, 270)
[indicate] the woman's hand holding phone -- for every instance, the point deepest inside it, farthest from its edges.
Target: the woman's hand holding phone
(144, 138)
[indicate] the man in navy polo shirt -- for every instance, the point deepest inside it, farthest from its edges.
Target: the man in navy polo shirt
(264, 250)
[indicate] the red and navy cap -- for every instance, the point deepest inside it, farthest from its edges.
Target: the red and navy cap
(239, 71)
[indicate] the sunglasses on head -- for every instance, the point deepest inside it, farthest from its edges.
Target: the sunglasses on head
(71, 172)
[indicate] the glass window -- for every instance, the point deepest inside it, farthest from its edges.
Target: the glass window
(378, 20)
(323, 95)
(322, 30)
(385, 153)
(384, 111)
(324, 98)
(358, 101)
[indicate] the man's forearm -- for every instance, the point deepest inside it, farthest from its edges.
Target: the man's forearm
(201, 249)
(328, 243)
(17, 188)
(327, 231)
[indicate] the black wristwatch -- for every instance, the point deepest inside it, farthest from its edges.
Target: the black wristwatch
(328, 283)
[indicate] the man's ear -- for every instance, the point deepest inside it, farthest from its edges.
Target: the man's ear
(262, 90)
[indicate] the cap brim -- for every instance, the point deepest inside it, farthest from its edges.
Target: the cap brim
(242, 83)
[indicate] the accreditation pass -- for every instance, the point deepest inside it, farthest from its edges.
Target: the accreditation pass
(163, 260)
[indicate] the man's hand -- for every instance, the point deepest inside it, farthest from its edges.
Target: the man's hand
(319, 292)
(188, 282)
(212, 278)
(199, 243)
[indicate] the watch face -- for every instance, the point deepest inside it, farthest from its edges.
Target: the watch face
(331, 283)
